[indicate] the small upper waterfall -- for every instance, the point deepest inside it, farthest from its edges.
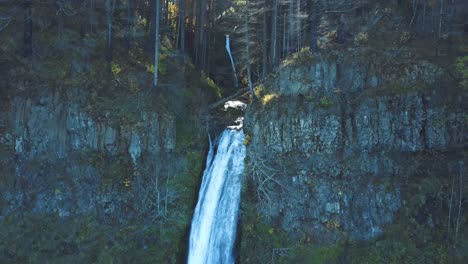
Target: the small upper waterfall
(214, 223)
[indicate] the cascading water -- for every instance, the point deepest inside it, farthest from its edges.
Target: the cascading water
(214, 223)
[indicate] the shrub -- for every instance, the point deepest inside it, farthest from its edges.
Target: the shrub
(405, 37)
(361, 38)
(325, 102)
(115, 68)
(461, 68)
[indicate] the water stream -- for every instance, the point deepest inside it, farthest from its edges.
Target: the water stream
(214, 223)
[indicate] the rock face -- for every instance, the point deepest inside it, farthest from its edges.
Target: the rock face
(57, 158)
(342, 139)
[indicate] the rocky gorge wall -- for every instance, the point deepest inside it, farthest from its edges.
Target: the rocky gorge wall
(342, 146)
(66, 164)
(39, 137)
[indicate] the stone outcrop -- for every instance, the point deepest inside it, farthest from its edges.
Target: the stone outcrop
(343, 138)
(56, 157)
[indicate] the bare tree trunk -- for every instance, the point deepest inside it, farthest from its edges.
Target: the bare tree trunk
(150, 24)
(166, 12)
(440, 18)
(158, 196)
(247, 44)
(314, 25)
(450, 210)
(274, 30)
(206, 34)
(264, 41)
(298, 25)
(166, 198)
(200, 33)
(290, 35)
(424, 17)
(460, 195)
(128, 30)
(156, 43)
(110, 4)
(27, 36)
(415, 10)
(285, 30)
(204, 54)
(92, 17)
(181, 34)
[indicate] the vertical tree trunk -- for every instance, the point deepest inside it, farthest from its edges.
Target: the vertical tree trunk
(415, 10)
(285, 35)
(247, 51)
(274, 30)
(181, 34)
(440, 18)
(200, 34)
(92, 17)
(27, 34)
(166, 12)
(449, 224)
(298, 25)
(128, 30)
(460, 201)
(109, 14)
(150, 25)
(156, 42)
(313, 13)
(424, 17)
(264, 41)
(290, 35)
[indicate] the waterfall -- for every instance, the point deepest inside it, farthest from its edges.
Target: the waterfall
(214, 223)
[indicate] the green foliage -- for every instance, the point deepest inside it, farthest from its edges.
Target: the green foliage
(362, 38)
(317, 254)
(150, 68)
(461, 68)
(300, 58)
(115, 68)
(212, 86)
(417, 235)
(246, 139)
(325, 102)
(268, 98)
(162, 69)
(83, 239)
(259, 237)
(397, 246)
(87, 239)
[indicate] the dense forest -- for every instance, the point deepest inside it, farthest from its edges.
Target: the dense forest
(355, 129)
(117, 32)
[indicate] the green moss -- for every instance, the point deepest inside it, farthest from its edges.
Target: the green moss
(259, 237)
(325, 102)
(395, 89)
(461, 69)
(115, 68)
(214, 89)
(246, 139)
(303, 57)
(33, 238)
(321, 254)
